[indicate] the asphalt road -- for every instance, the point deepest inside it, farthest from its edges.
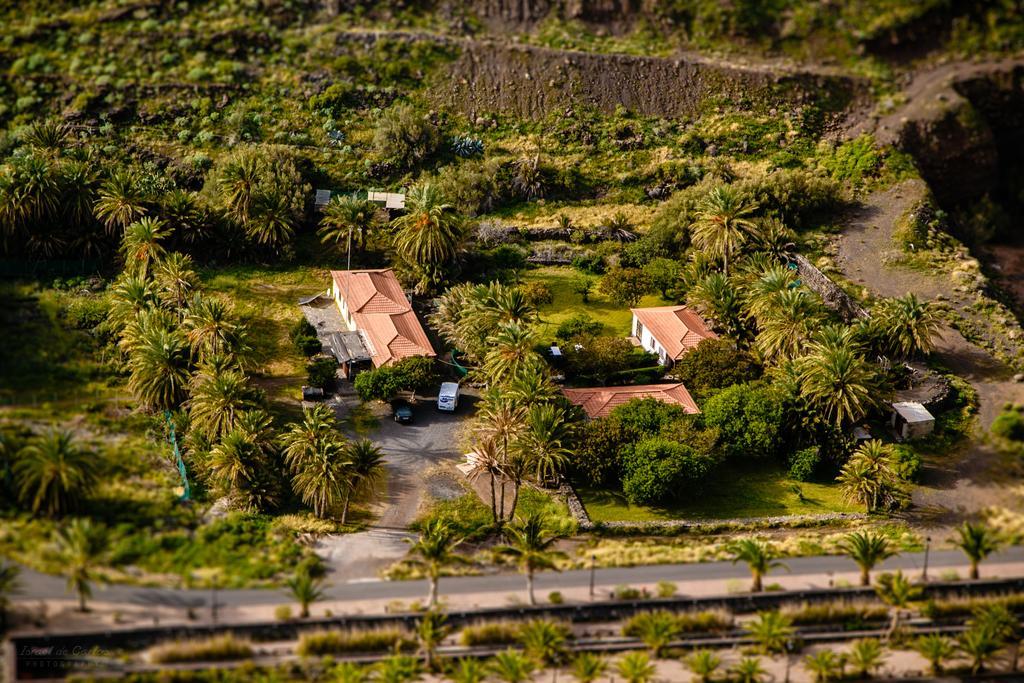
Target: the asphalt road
(36, 586)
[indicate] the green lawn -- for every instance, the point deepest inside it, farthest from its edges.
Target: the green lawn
(733, 492)
(616, 318)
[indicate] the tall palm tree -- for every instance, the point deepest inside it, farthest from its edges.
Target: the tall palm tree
(723, 224)
(141, 246)
(434, 550)
(715, 296)
(759, 557)
(217, 399)
(896, 591)
(129, 296)
(531, 545)
(234, 465)
(322, 480)
(500, 420)
(788, 324)
(187, 217)
(867, 550)
(79, 546)
(9, 585)
(936, 649)
(273, 223)
(159, 365)
(763, 293)
(485, 460)
(347, 215)
(239, 183)
(543, 441)
(838, 383)
(773, 238)
(210, 328)
(977, 542)
(428, 235)
(176, 281)
(533, 389)
(303, 440)
(306, 589)
(53, 475)
(511, 355)
(869, 477)
(911, 325)
(366, 470)
(772, 631)
(120, 201)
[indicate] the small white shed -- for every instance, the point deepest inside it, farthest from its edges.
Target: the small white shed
(911, 420)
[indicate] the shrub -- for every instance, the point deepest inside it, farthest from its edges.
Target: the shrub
(714, 364)
(625, 286)
(410, 374)
(907, 462)
(489, 633)
(705, 621)
(853, 161)
(596, 461)
(589, 263)
(657, 470)
(283, 612)
(647, 415)
(804, 463)
(840, 612)
(556, 598)
(221, 648)
(405, 138)
(667, 589)
(627, 593)
(579, 325)
(599, 359)
(85, 313)
(322, 643)
(303, 335)
(1009, 424)
(538, 293)
(748, 418)
(322, 372)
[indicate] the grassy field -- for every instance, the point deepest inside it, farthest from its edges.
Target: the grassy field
(616, 318)
(732, 493)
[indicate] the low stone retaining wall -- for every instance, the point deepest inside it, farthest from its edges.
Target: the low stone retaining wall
(831, 294)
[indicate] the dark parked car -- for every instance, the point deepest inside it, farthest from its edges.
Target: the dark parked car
(401, 410)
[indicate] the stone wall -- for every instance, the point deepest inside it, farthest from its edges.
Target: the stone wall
(831, 294)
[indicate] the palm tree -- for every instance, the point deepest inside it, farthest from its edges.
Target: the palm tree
(322, 479)
(499, 421)
(431, 632)
(826, 665)
(636, 667)
(351, 672)
(218, 397)
(366, 470)
(531, 546)
(977, 542)
(869, 477)
(120, 201)
(130, 295)
(936, 649)
(303, 440)
(980, 645)
(187, 217)
(79, 546)
(747, 670)
(345, 215)
(239, 185)
(532, 389)
(772, 631)
(273, 222)
(838, 383)
(52, 474)
(211, 329)
(428, 235)
(397, 668)
(587, 667)
(544, 641)
(896, 591)
(9, 585)
(775, 239)
(703, 663)
(543, 441)
(467, 670)
(511, 355)
(788, 325)
(176, 281)
(866, 656)
(910, 325)
(434, 550)
(655, 629)
(485, 459)
(512, 666)
(140, 246)
(759, 558)
(763, 293)
(237, 467)
(716, 297)
(867, 550)
(722, 224)
(306, 589)
(159, 365)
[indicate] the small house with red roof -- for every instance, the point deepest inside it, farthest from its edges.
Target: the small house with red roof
(669, 331)
(373, 303)
(601, 401)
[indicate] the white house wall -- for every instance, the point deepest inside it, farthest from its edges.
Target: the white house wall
(649, 343)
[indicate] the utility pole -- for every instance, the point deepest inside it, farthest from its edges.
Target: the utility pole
(924, 569)
(213, 601)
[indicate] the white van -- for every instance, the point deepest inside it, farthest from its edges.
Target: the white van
(448, 397)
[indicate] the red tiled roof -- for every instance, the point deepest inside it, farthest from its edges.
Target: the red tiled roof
(601, 401)
(677, 328)
(383, 314)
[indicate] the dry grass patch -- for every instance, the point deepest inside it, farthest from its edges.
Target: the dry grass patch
(223, 648)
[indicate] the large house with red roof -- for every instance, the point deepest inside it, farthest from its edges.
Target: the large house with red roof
(669, 331)
(601, 401)
(372, 303)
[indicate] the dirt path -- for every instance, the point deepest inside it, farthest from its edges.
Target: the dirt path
(977, 477)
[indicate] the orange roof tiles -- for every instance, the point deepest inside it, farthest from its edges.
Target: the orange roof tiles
(677, 328)
(601, 401)
(381, 312)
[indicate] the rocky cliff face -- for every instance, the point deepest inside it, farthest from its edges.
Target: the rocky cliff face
(533, 81)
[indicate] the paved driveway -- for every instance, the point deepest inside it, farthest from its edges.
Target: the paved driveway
(410, 451)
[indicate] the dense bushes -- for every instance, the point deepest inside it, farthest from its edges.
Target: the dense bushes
(749, 420)
(1009, 424)
(221, 648)
(303, 335)
(657, 470)
(322, 372)
(714, 364)
(410, 374)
